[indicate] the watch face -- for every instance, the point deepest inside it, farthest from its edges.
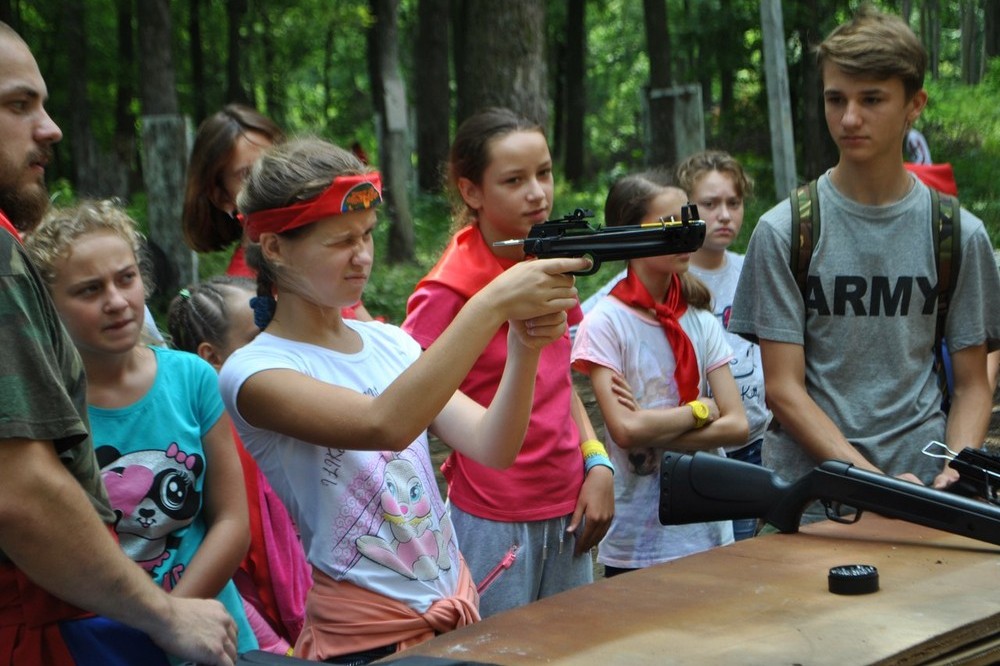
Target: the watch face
(700, 411)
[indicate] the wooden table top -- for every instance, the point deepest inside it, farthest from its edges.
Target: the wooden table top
(765, 601)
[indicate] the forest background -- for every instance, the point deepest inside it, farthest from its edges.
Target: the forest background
(129, 81)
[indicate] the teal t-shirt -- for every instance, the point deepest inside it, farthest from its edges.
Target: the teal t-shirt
(153, 465)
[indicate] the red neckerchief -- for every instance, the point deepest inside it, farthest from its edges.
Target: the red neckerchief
(5, 224)
(467, 264)
(632, 292)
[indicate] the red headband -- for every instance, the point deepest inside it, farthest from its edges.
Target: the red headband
(345, 194)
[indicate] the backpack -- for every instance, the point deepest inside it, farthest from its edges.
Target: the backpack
(946, 234)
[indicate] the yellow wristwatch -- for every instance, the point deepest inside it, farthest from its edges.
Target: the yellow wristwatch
(700, 411)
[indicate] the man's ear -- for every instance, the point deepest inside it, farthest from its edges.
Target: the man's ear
(917, 104)
(208, 352)
(471, 193)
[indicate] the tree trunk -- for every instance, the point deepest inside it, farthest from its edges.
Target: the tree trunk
(273, 100)
(969, 35)
(197, 54)
(164, 140)
(778, 102)
(394, 151)
(124, 139)
(81, 140)
(661, 149)
(433, 95)
(576, 94)
(991, 29)
(930, 22)
(503, 61)
(235, 90)
(819, 153)
(727, 73)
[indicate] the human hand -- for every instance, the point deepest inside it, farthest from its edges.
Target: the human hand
(595, 506)
(908, 476)
(533, 288)
(199, 630)
(947, 477)
(537, 332)
(623, 391)
(713, 409)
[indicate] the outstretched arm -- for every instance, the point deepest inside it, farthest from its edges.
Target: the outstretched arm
(288, 402)
(500, 429)
(50, 531)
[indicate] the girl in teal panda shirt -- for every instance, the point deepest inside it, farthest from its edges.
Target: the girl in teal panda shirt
(160, 430)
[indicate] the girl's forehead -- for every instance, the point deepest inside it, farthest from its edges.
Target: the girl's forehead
(517, 144)
(715, 180)
(98, 241)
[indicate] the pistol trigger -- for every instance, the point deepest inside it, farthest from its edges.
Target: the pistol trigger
(835, 512)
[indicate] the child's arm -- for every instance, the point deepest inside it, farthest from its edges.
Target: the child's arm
(225, 507)
(671, 427)
(971, 405)
(500, 429)
(596, 501)
(730, 428)
(290, 403)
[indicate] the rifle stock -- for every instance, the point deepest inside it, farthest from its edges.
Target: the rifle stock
(704, 487)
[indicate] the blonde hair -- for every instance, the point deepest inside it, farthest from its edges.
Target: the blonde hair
(694, 167)
(53, 239)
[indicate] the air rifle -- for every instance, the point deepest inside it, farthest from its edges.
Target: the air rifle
(703, 487)
(573, 236)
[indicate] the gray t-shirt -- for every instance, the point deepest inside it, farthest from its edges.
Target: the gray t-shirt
(746, 365)
(868, 325)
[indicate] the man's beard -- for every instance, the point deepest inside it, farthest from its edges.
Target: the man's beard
(23, 206)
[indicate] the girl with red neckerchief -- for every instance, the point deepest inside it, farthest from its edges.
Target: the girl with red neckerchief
(658, 360)
(526, 531)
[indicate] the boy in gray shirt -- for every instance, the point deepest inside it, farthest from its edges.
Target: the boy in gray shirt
(850, 376)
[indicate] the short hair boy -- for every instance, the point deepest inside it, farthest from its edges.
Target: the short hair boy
(850, 375)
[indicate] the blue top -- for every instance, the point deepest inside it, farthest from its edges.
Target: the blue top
(153, 465)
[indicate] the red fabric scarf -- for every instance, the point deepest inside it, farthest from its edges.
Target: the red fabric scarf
(632, 292)
(467, 264)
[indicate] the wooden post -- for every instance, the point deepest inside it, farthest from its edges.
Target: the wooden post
(164, 167)
(778, 103)
(682, 105)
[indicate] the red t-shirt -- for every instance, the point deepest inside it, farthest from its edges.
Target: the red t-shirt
(545, 480)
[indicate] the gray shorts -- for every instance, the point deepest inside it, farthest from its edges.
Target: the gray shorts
(514, 564)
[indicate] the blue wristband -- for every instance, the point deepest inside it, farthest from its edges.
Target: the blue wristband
(592, 461)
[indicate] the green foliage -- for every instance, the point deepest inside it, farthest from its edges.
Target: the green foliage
(963, 128)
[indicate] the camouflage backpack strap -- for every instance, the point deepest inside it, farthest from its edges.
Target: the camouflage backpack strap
(805, 231)
(946, 233)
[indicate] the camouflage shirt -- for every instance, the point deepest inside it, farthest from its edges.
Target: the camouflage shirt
(43, 389)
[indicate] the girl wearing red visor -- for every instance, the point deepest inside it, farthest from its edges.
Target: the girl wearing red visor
(336, 411)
